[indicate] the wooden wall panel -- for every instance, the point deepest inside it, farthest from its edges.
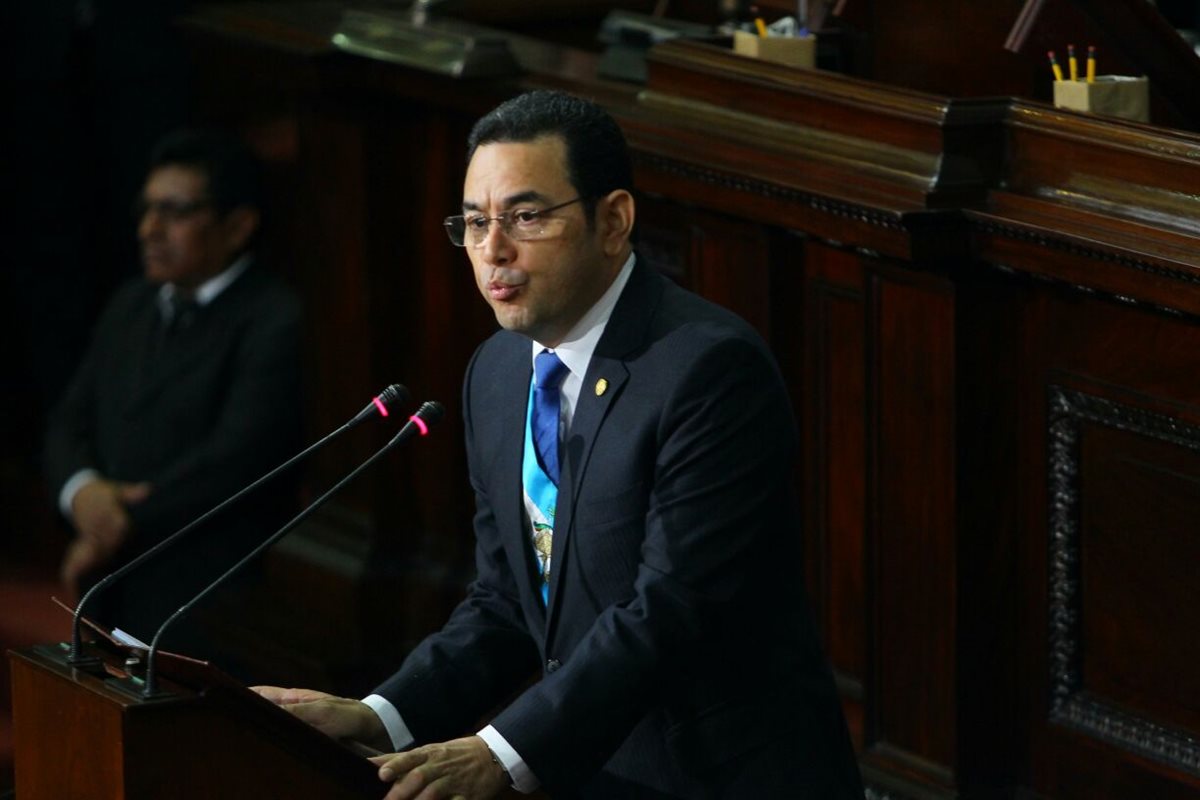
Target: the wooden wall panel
(834, 420)
(1119, 412)
(730, 263)
(912, 530)
(1139, 493)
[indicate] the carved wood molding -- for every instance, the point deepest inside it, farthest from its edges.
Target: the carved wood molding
(1042, 240)
(1070, 705)
(739, 183)
(1134, 290)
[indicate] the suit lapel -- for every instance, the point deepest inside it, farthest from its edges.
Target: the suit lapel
(626, 332)
(577, 449)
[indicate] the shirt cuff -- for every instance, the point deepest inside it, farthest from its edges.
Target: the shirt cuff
(523, 779)
(66, 495)
(397, 731)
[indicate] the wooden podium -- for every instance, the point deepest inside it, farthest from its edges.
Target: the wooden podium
(84, 735)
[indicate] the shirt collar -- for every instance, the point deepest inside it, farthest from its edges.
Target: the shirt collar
(211, 288)
(577, 346)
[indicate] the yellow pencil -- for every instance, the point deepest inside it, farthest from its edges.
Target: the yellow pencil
(1072, 64)
(762, 26)
(1058, 76)
(1091, 64)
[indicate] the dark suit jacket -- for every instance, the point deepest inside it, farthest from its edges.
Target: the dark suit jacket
(211, 409)
(677, 640)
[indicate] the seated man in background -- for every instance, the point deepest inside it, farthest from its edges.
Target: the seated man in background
(189, 390)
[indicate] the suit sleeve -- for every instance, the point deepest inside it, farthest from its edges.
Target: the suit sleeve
(724, 444)
(484, 651)
(71, 428)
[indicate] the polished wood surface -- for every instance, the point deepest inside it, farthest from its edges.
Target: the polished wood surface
(79, 735)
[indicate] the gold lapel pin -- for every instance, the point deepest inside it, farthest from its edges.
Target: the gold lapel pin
(601, 387)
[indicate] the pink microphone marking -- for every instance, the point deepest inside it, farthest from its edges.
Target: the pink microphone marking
(420, 423)
(382, 408)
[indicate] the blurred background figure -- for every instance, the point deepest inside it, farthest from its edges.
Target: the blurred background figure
(189, 390)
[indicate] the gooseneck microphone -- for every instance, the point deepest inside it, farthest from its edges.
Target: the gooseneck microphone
(381, 405)
(419, 423)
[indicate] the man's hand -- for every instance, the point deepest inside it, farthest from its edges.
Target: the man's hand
(461, 769)
(99, 511)
(82, 557)
(337, 717)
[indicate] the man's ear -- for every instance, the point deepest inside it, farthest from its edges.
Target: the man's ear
(615, 223)
(240, 225)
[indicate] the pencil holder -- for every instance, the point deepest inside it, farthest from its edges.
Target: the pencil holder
(1114, 95)
(795, 51)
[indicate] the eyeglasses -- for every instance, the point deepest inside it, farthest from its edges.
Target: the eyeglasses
(169, 210)
(521, 224)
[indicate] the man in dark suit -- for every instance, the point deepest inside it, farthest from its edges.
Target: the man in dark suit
(188, 391)
(645, 563)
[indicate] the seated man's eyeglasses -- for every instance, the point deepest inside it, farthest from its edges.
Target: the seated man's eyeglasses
(170, 210)
(521, 224)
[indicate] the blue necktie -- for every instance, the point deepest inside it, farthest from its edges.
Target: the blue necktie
(550, 372)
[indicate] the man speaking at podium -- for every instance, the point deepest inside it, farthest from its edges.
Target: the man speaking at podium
(630, 446)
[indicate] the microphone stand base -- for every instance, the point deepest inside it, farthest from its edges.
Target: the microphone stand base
(88, 664)
(135, 688)
(61, 653)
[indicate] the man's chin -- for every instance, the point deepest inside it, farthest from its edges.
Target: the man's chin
(156, 273)
(511, 318)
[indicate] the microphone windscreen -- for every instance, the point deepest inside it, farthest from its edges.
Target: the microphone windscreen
(394, 395)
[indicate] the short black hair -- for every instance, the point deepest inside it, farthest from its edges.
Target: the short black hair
(598, 160)
(234, 173)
